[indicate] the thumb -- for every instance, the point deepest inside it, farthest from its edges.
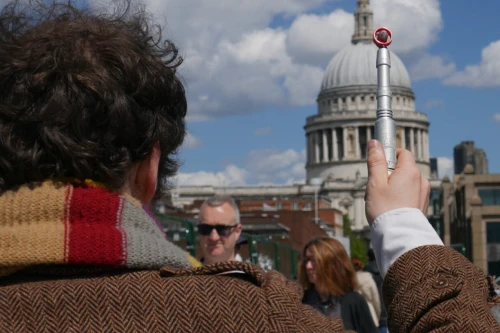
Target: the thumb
(377, 164)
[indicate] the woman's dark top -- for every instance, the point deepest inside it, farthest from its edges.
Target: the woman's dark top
(351, 308)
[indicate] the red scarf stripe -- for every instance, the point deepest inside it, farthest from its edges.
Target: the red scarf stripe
(93, 233)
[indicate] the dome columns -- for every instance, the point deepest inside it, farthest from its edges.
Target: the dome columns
(362, 102)
(349, 143)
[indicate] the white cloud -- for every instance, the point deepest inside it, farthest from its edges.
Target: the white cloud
(431, 66)
(247, 75)
(262, 46)
(267, 166)
(496, 117)
(191, 141)
(415, 25)
(433, 103)
(303, 84)
(230, 176)
(236, 64)
(263, 131)
(445, 167)
(271, 164)
(314, 39)
(484, 74)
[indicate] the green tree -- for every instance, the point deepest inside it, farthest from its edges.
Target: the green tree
(347, 226)
(358, 244)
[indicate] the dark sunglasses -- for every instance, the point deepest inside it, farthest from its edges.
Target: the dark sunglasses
(222, 230)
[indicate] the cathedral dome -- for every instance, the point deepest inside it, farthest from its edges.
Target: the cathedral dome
(355, 65)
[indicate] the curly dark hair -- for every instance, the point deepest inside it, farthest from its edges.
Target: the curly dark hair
(85, 95)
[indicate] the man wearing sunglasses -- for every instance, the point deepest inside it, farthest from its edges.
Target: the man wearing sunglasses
(219, 229)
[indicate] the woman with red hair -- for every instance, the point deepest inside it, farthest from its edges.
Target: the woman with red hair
(329, 281)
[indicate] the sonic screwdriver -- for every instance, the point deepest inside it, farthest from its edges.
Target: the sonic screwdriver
(385, 127)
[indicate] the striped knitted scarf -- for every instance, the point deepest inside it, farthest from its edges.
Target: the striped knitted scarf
(83, 224)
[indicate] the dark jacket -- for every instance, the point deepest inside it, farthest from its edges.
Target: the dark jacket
(373, 269)
(351, 308)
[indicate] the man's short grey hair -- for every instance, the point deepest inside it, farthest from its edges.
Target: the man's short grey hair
(219, 200)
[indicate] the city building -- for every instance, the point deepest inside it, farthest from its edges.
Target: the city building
(255, 204)
(434, 167)
(337, 135)
(466, 153)
(470, 215)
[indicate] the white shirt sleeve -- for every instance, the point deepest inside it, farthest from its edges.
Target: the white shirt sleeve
(399, 231)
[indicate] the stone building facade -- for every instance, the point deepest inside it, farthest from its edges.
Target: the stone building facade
(337, 135)
(470, 212)
(467, 153)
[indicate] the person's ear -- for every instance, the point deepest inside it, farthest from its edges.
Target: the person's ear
(146, 176)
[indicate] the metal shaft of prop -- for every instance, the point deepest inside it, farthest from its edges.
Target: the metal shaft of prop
(385, 126)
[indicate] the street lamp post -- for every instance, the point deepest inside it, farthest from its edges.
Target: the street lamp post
(316, 205)
(316, 182)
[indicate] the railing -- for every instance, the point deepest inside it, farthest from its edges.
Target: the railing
(180, 231)
(260, 249)
(460, 247)
(271, 255)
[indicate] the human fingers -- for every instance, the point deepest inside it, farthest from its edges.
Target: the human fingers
(377, 164)
(425, 192)
(405, 159)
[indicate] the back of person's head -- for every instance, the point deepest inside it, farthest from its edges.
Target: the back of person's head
(334, 271)
(357, 263)
(371, 255)
(85, 95)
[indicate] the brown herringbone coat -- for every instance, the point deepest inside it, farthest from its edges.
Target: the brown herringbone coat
(436, 289)
(170, 300)
(430, 289)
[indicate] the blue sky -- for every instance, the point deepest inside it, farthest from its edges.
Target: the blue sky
(460, 105)
(253, 68)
